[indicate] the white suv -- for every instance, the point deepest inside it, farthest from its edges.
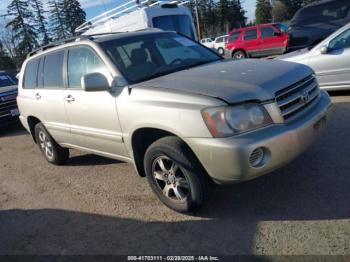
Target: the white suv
(220, 44)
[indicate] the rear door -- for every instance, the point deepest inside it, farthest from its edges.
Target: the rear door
(333, 68)
(252, 42)
(48, 103)
(27, 84)
(92, 115)
(272, 41)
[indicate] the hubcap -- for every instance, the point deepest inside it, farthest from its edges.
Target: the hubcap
(45, 145)
(239, 56)
(170, 179)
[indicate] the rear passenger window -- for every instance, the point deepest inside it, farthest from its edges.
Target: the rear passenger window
(30, 74)
(250, 34)
(53, 68)
(234, 36)
(267, 32)
(82, 61)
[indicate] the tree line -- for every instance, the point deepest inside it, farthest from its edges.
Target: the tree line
(219, 16)
(29, 24)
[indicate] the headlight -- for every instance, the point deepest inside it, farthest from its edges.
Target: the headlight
(229, 120)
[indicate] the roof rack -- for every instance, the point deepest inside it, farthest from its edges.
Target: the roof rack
(59, 42)
(124, 9)
(78, 38)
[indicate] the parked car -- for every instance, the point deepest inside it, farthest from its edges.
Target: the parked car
(256, 41)
(330, 60)
(220, 44)
(313, 23)
(8, 93)
(183, 115)
(208, 42)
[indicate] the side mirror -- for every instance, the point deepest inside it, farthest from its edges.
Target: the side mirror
(94, 82)
(324, 50)
(277, 34)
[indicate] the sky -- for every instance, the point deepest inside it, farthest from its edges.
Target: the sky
(96, 7)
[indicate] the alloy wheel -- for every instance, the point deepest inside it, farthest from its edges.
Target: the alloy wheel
(170, 179)
(46, 145)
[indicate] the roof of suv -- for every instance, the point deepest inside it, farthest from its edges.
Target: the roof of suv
(98, 38)
(250, 27)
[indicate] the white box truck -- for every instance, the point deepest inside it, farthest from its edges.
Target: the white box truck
(139, 15)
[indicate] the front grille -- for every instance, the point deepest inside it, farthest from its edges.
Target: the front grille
(7, 106)
(297, 98)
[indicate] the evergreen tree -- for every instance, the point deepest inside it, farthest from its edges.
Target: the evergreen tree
(40, 22)
(21, 24)
(73, 16)
(219, 17)
(56, 12)
(279, 11)
(6, 62)
(263, 12)
(236, 17)
(292, 7)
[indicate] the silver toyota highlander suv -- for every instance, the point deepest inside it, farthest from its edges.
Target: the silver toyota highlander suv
(180, 113)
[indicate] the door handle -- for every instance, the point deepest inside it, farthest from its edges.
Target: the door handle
(69, 98)
(37, 96)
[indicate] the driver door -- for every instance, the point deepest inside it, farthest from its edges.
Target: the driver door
(333, 68)
(93, 116)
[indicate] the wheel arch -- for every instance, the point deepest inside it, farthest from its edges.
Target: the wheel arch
(239, 49)
(32, 122)
(141, 139)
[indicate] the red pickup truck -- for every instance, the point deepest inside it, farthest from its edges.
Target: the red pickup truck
(256, 41)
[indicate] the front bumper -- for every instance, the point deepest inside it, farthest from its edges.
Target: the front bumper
(226, 160)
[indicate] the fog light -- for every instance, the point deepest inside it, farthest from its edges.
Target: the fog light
(258, 157)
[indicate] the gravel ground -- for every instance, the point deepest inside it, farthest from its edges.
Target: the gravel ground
(94, 205)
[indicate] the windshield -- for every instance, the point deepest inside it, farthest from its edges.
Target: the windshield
(179, 23)
(6, 80)
(143, 57)
(322, 13)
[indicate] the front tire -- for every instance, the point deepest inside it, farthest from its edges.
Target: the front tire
(53, 152)
(175, 175)
(239, 55)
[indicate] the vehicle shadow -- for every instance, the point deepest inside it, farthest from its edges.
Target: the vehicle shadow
(13, 129)
(90, 160)
(61, 232)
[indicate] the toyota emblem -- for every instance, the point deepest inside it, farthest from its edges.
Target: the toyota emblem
(304, 98)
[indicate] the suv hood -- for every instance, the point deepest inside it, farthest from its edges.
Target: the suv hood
(234, 81)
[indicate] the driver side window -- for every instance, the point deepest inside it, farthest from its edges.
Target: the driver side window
(342, 41)
(82, 61)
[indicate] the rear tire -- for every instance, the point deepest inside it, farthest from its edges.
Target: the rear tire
(175, 175)
(239, 55)
(53, 152)
(221, 51)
